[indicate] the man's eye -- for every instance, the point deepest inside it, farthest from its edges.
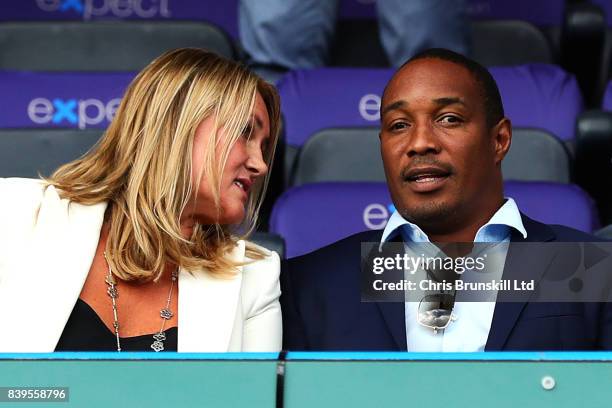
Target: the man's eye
(450, 119)
(398, 126)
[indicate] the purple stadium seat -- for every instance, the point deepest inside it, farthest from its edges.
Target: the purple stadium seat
(62, 100)
(315, 215)
(541, 12)
(535, 96)
(607, 99)
(357, 9)
(606, 5)
(552, 203)
(316, 99)
(221, 13)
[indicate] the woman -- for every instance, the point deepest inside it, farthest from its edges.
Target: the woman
(139, 244)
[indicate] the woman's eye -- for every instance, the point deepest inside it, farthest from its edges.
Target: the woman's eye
(246, 132)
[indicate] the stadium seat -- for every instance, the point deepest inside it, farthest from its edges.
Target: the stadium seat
(536, 96)
(541, 12)
(60, 99)
(34, 152)
(353, 154)
(101, 46)
(357, 44)
(513, 23)
(605, 233)
(514, 34)
(594, 156)
(315, 215)
(222, 13)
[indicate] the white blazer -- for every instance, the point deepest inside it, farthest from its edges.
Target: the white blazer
(47, 245)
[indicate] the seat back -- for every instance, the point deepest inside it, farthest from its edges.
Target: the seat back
(535, 96)
(314, 215)
(102, 46)
(63, 100)
(33, 152)
(221, 13)
(554, 203)
(353, 154)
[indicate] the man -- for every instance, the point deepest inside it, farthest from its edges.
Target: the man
(443, 137)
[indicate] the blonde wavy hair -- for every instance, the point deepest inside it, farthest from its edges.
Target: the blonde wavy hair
(142, 164)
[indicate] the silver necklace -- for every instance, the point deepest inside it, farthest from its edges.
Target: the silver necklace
(165, 313)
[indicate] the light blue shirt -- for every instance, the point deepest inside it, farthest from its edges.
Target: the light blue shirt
(470, 331)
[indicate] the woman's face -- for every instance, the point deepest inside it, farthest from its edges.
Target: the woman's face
(245, 164)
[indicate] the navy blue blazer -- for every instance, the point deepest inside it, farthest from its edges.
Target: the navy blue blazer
(322, 308)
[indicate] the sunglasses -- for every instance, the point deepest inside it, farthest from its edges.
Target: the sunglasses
(436, 311)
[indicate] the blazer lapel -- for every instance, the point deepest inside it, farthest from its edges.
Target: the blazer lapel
(52, 270)
(522, 263)
(394, 315)
(208, 307)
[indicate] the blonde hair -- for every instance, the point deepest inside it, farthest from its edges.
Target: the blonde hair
(142, 165)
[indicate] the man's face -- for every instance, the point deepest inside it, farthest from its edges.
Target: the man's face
(441, 160)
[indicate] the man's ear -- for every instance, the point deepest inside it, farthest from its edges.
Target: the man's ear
(502, 138)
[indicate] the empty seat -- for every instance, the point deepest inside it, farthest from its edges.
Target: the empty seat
(102, 46)
(222, 13)
(314, 215)
(353, 154)
(594, 155)
(540, 13)
(606, 5)
(357, 44)
(523, 43)
(553, 203)
(64, 100)
(30, 152)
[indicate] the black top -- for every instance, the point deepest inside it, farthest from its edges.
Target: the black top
(85, 331)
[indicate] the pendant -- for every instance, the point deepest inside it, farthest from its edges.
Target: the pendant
(158, 344)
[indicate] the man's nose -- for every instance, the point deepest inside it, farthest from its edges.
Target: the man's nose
(423, 140)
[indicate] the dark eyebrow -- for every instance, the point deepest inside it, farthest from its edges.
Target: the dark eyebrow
(395, 105)
(445, 101)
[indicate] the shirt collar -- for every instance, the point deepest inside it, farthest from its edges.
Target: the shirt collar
(508, 215)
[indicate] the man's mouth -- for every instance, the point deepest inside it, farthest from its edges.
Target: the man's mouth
(426, 179)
